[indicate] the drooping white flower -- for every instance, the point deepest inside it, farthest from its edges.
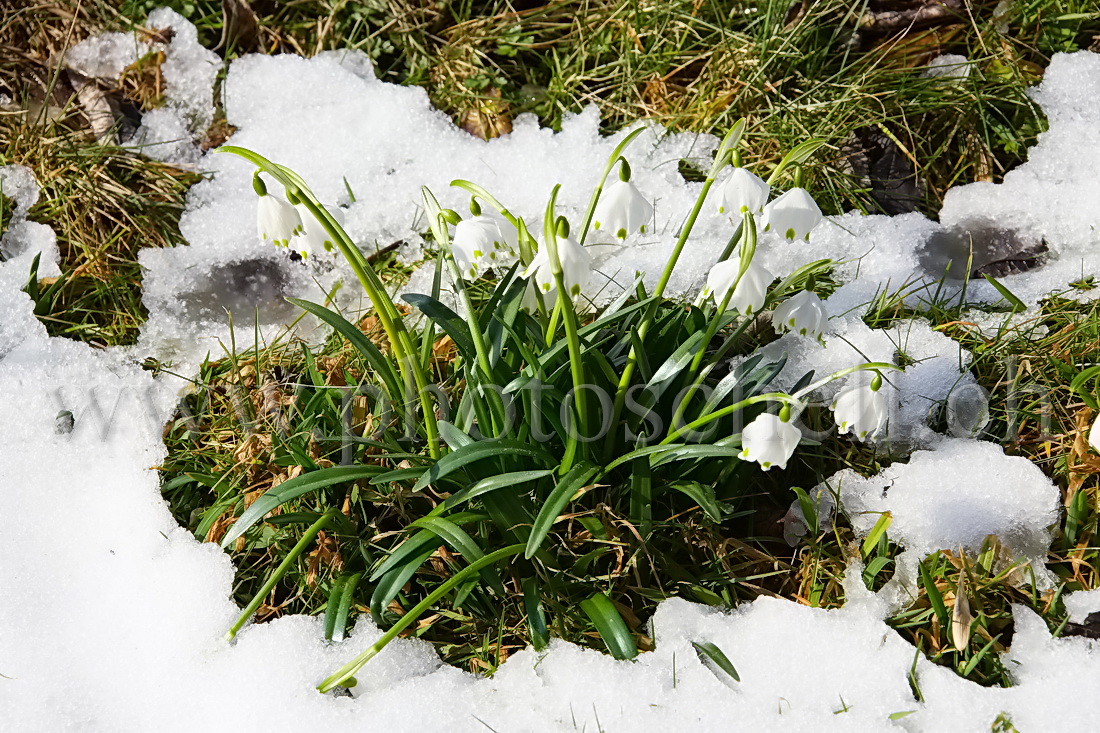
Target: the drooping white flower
(793, 215)
(576, 266)
(751, 290)
(622, 210)
(1094, 434)
(769, 441)
(277, 221)
(802, 313)
(313, 236)
(743, 191)
(509, 242)
(861, 410)
(476, 242)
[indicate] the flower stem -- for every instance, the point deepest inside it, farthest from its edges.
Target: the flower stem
(388, 316)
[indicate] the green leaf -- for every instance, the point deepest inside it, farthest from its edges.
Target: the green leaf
(339, 605)
(799, 154)
(809, 510)
(715, 659)
(294, 488)
(366, 348)
(680, 358)
(416, 545)
(613, 630)
(935, 598)
(578, 477)
(491, 483)
(452, 436)
(333, 605)
(877, 532)
(481, 450)
(536, 618)
(730, 449)
(702, 495)
(454, 536)
(1017, 304)
(449, 321)
(349, 669)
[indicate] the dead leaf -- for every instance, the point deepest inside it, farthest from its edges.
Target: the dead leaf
(961, 618)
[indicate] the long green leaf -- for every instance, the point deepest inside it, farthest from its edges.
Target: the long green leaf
(349, 669)
(613, 630)
(294, 488)
(280, 571)
(457, 538)
(366, 348)
(481, 450)
(702, 495)
(536, 618)
(491, 483)
(452, 324)
(417, 543)
(577, 478)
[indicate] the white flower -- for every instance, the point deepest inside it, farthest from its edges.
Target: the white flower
(508, 232)
(793, 215)
(769, 441)
(576, 265)
(276, 220)
(803, 313)
(861, 410)
(751, 290)
(1094, 434)
(743, 191)
(622, 210)
(313, 236)
(477, 240)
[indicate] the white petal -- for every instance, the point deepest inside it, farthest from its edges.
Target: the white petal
(317, 239)
(276, 220)
(793, 215)
(743, 191)
(802, 313)
(769, 441)
(622, 210)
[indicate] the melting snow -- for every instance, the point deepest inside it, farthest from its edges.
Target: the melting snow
(114, 621)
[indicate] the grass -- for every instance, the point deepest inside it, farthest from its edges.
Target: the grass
(897, 140)
(793, 71)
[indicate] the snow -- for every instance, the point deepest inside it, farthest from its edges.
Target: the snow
(119, 626)
(984, 493)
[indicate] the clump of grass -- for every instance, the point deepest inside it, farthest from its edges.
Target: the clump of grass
(105, 203)
(262, 415)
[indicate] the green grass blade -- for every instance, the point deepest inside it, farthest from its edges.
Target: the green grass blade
(1018, 305)
(294, 488)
